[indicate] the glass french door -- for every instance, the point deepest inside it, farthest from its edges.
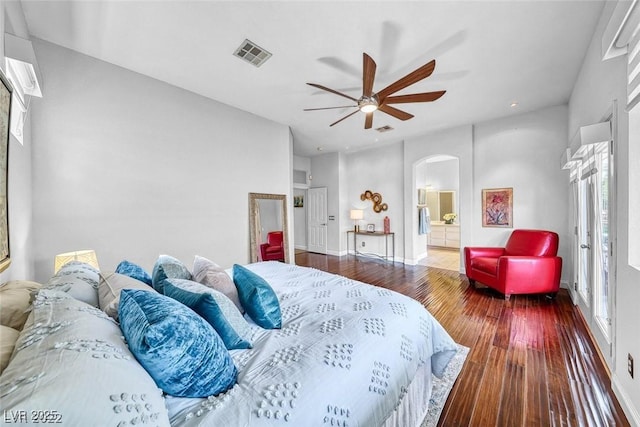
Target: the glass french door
(594, 245)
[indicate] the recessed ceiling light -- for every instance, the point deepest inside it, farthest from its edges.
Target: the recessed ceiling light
(514, 104)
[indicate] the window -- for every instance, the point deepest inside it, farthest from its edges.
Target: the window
(21, 67)
(634, 188)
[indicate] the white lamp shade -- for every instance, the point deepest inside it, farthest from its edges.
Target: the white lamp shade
(356, 214)
(86, 256)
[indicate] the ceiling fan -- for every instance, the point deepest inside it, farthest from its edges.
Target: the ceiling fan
(371, 101)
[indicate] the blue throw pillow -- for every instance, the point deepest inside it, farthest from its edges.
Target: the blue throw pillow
(182, 353)
(215, 308)
(134, 271)
(258, 298)
(168, 267)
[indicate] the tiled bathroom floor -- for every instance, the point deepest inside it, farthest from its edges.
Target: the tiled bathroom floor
(446, 259)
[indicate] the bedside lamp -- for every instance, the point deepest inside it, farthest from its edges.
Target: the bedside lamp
(356, 215)
(86, 256)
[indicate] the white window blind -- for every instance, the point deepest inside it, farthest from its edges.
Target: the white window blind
(630, 35)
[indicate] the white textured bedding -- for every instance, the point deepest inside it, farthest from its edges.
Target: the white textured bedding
(345, 356)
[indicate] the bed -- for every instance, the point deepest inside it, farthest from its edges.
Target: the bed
(347, 354)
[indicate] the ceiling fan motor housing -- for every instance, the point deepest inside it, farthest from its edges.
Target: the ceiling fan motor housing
(367, 104)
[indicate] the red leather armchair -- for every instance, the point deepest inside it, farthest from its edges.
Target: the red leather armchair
(528, 264)
(273, 250)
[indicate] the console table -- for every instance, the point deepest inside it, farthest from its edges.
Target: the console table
(388, 257)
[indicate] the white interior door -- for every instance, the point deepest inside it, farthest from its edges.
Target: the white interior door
(317, 235)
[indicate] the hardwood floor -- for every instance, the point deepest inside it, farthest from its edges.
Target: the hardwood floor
(531, 362)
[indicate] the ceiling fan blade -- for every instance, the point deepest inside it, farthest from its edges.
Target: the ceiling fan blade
(332, 91)
(329, 108)
(398, 114)
(413, 77)
(415, 97)
(368, 120)
(345, 117)
(368, 74)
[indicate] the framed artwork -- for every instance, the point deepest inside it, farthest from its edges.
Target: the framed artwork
(371, 228)
(5, 114)
(497, 207)
(298, 201)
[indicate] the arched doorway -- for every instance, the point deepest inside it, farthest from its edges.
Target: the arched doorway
(437, 185)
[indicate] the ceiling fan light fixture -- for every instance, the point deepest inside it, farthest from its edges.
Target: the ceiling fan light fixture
(368, 104)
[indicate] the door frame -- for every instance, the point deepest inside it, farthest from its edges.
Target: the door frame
(606, 347)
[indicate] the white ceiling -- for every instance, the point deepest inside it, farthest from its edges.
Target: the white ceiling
(489, 54)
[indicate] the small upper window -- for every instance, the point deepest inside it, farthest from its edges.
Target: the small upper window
(20, 65)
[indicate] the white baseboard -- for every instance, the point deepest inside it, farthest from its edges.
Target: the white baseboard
(336, 253)
(415, 261)
(627, 405)
(301, 247)
(411, 261)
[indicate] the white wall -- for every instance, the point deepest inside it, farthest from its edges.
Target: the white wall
(523, 152)
(379, 170)
(442, 175)
(326, 173)
(133, 167)
(598, 84)
(20, 193)
(302, 164)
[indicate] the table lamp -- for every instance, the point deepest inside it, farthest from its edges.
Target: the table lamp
(86, 256)
(356, 215)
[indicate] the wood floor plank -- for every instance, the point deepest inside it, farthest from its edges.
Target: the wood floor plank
(512, 401)
(531, 361)
(536, 391)
(487, 406)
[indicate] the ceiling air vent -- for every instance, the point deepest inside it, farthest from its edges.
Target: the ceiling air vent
(383, 129)
(252, 53)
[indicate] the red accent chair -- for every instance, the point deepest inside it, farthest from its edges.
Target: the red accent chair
(273, 250)
(528, 264)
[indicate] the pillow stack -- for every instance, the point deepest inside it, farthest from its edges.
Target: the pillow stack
(178, 326)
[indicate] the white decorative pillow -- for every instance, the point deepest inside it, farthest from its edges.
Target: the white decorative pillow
(109, 291)
(78, 279)
(15, 301)
(213, 276)
(71, 360)
(8, 338)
